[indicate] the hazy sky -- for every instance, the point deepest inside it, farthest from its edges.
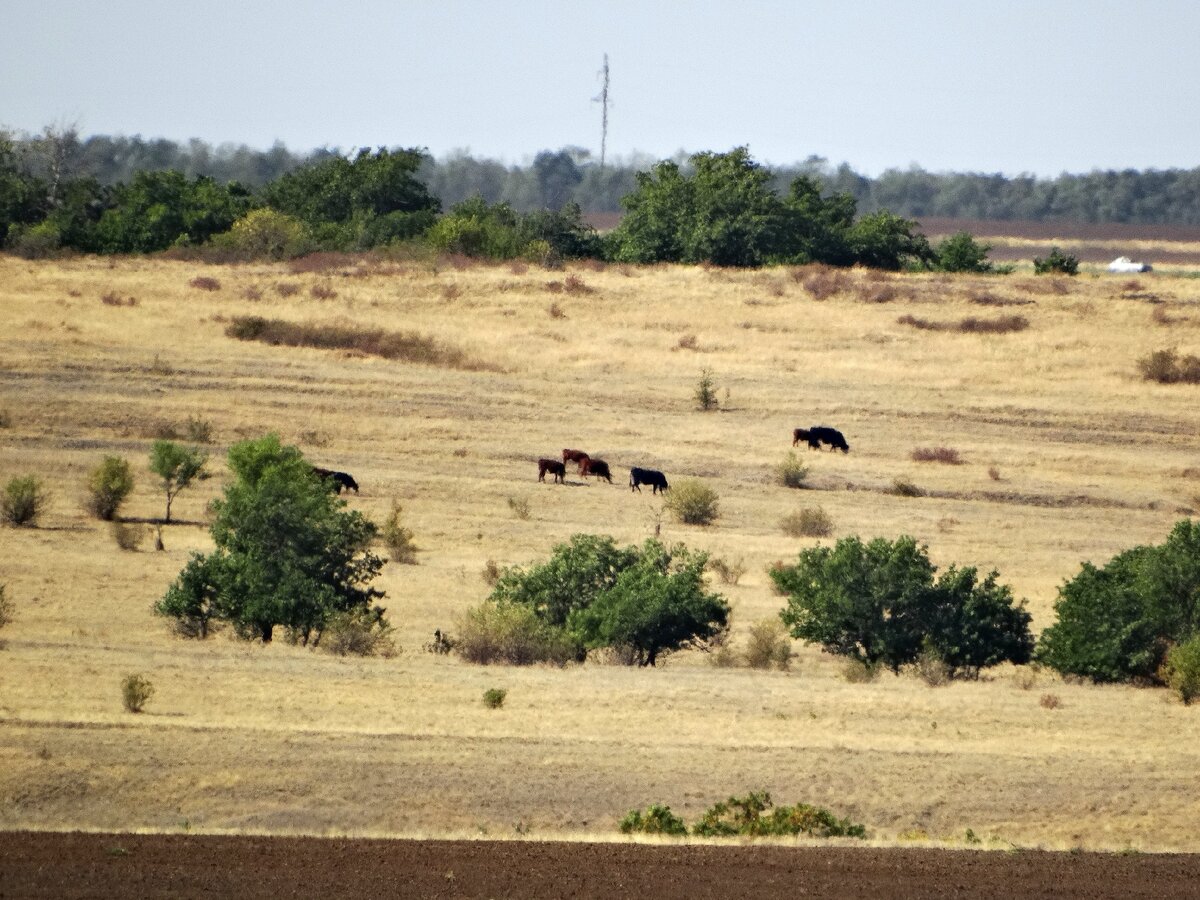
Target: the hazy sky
(1042, 87)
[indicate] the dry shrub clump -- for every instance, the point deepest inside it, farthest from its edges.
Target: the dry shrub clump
(322, 292)
(205, 283)
(287, 289)
(136, 691)
(1168, 367)
(769, 645)
(403, 345)
(512, 634)
(814, 522)
(575, 285)
(987, 298)
(323, 263)
(969, 325)
(23, 501)
(902, 487)
(946, 455)
(693, 502)
(1050, 701)
(874, 292)
(688, 342)
(730, 572)
(360, 632)
(112, 298)
(821, 281)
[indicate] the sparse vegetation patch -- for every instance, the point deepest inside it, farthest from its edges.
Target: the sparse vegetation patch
(407, 346)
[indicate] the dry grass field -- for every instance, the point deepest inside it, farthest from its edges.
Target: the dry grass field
(1064, 454)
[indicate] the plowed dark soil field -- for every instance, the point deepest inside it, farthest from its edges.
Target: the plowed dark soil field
(73, 865)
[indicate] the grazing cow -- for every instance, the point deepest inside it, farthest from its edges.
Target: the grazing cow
(555, 468)
(597, 467)
(341, 480)
(819, 434)
(653, 477)
(798, 435)
(576, 456)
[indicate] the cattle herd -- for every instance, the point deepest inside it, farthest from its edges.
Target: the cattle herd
(814, 437)
(588, 465)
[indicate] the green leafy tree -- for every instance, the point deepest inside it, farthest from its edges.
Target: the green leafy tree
(816, 227)
(474, 228)
(177, 467)
(1116, 622)
(656, 606)
(357, 203)
(962, 253)
(884, 240)
(576, 573)
(657, 215)
(159, 209)
(879, 603)
(288, 553)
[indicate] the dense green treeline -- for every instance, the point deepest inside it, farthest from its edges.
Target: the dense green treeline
(572, 174)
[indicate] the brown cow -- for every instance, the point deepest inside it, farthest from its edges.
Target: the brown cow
(798, 435)
(555, 468)
(576, 456)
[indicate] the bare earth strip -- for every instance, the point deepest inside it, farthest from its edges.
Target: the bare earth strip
(79, 865)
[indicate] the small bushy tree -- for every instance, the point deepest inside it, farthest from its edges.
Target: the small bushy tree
(1057, 263)
(656, 606)
(657, 819)
(879, 603)
(962, 253)
(287, 553)
(1116, 622)
(108, 486)
(647, 601)
(23, 501)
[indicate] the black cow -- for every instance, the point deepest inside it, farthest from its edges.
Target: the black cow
(819, 434)
(597, 467)
(341, 480)
(555, 468)
(798, 435)
(653, 477)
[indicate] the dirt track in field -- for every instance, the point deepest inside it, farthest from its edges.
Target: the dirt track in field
(73, 865)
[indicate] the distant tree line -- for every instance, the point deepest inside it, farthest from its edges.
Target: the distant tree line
(572, 174)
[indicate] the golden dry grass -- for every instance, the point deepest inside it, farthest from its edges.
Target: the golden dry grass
(1068, 455)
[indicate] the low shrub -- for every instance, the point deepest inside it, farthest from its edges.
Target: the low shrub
(136, 691)
(7, 606)
(814, 522)
(322, 292)
(511, 633)
(205, 283)
(657, 819)
(1168, 367)
(692, 502)
(398, 539)
(1182, 669)
(197, 430)
(792, 472)
(23, 501)
(969, 325)
(856, 671)
(745, 816)
(108, 485)
(520, 507)
(493, 698)
(769, 645)
(1056, 263)
(728, 572)
(359, 632)
(901, 487)
(946, 455)
(1050, 701)
(931, 668)
(490, 573)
